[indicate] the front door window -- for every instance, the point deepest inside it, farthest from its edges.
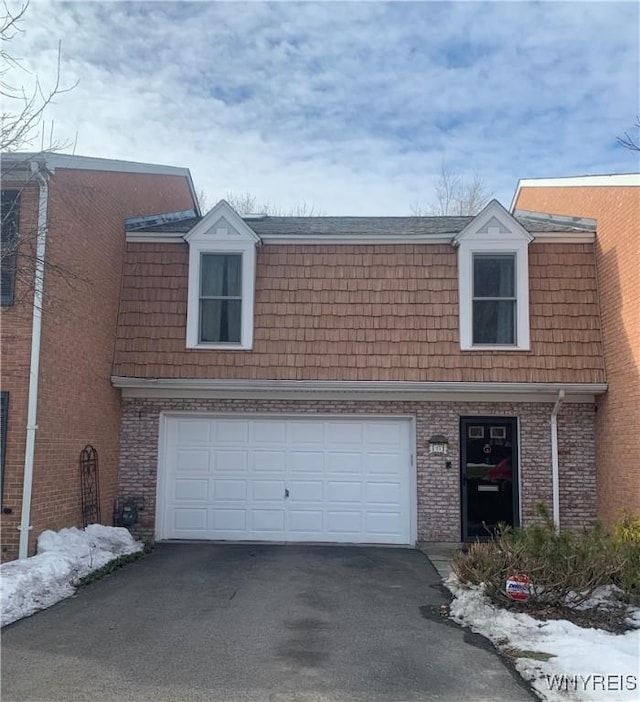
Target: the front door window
(489, 475)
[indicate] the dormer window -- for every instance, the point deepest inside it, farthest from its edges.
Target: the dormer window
(220, 298)
(494, 299)
(493, 282)
(222, 263)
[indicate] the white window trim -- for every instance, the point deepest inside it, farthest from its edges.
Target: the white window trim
(248, 251)
(465, 281)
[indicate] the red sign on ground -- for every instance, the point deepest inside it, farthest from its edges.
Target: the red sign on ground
(519, 587)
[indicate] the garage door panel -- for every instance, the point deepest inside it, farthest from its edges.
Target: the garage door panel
(307, 432)
(341, 462)
(230, 460)
(385, 433)
(306, 491)
(385, 463)
(270, 432)
(306, 462)
(301, 479)
(193, 431)
(269, 461)
(231, 431)
(306, 521)
(267, 490)
(344, 433)
(230, 490)
(229, 520)
(271, 520)
(190, 519)
(383, 493)
(343, 491)
(192, 460)
(344, 522)
(383, 522)
(191, 489)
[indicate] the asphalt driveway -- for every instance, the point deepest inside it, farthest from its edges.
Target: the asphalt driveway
(247, 623)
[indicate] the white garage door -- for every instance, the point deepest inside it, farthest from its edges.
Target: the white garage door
(335, 480)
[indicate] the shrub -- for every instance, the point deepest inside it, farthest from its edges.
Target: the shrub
(565, 567)
(627, 529)
(627, 540)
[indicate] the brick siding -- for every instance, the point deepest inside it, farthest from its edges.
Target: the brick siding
(617, 210)
(438, 487)
(77, 404)
(15, 342)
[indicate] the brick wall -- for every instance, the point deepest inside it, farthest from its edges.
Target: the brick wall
(617, 210)
(438, 488)
(15, 343)
(76, 404)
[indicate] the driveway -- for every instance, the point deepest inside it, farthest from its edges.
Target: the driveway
(247, 623)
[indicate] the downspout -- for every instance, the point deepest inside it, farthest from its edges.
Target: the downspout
(34, 368)
(555, 469)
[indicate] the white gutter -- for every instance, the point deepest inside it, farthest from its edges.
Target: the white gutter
(555, 470)
(34, 368)
(354, 390)
(354, 385)
(559, 237)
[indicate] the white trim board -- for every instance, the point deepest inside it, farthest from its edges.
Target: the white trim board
(364, 239)
(613, 180)
(187, 388)
(89, 163)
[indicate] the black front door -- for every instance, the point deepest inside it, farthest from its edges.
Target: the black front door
(489, 474)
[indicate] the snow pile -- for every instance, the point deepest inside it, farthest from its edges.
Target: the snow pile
(585, 664)
(64, 557)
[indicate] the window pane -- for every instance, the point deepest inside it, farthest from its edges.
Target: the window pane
(494, 322)
(10, 210)
(221, 275)
(220, 320)
(493, 276)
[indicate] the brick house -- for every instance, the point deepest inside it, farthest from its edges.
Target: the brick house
(371, 380)
(58, 339)
(614, 200)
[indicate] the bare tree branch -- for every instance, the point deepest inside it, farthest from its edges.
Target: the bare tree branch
(454, 196)
(24, 105)
(246, 203)
(203, 200)
(18, 253)
(629, 142)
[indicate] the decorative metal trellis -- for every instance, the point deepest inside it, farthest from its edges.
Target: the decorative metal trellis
(89, 485)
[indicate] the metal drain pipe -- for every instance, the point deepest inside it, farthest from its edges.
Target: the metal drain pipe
(34, 366)
(555, 463)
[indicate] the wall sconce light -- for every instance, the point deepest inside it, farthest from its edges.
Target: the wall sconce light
(438, 444)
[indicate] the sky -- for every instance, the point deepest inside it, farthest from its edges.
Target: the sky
(352, 107)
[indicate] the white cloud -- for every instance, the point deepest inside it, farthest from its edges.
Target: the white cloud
(352, 106)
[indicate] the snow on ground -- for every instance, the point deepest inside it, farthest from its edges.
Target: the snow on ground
(611, 660)
(64, 557)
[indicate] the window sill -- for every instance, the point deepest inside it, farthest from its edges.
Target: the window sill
(495, 347)
(219, 347)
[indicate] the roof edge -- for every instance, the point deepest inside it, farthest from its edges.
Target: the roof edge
(617, 180)
(363, 389)
(559, 237)
(90, 163)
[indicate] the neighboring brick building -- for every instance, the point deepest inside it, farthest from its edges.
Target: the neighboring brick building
(80, 205)
(614, 201)
(300, 379)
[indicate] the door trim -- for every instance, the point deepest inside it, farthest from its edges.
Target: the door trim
(165, 416)
(464, 422)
